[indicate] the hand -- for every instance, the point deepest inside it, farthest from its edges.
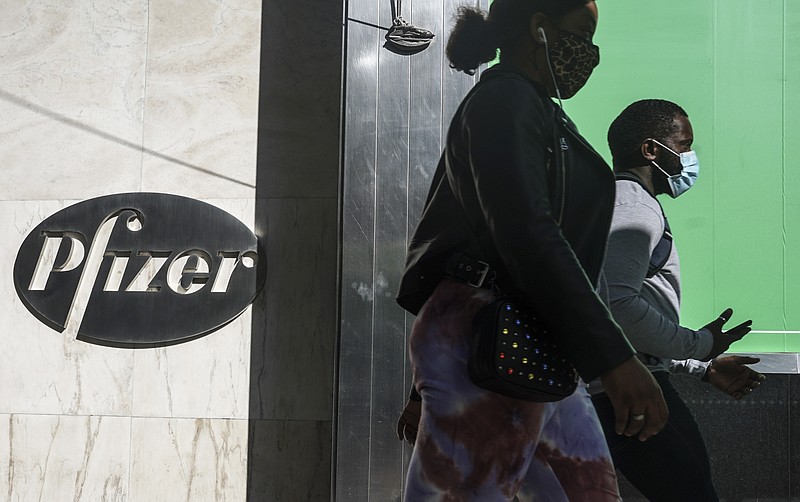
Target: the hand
(730, 375)
(408, 423)
(723, 340)
(639, 406)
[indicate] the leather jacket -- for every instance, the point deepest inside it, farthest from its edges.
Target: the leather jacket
(510, 158)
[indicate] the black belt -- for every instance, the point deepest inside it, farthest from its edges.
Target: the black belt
(474, 272)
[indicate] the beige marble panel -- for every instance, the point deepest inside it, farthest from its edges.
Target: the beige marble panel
(205, 378)
(201, 110)
(71, 97)
(41, 370)
(195, 460)
(64, 459)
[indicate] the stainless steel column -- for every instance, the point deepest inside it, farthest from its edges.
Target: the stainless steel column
(397, 110)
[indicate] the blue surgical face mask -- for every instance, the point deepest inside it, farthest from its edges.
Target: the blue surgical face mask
(690, 167)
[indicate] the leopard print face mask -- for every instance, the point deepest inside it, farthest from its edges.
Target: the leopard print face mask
(573, 59)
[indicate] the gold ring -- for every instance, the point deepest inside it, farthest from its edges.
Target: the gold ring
(638, 418)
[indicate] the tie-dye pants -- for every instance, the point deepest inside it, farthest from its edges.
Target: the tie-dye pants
(476, 445)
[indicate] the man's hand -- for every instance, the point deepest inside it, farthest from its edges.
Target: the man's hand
(408, 423)
(639, 406)
(730, 375)
(724, 339)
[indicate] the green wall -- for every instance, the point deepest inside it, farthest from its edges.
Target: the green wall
(734, 65)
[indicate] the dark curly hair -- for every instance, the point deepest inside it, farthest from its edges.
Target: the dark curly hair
(476, 36)
(648, 118)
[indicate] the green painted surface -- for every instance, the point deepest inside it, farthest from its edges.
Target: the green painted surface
(791, 172)
(735, 68)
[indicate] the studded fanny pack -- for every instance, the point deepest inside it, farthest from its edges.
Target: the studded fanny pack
(512, 351)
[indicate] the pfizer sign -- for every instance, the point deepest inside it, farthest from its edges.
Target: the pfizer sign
(139, 269)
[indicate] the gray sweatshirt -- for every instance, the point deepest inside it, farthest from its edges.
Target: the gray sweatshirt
(648, 309)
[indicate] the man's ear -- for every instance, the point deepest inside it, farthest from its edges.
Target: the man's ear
(648, 150)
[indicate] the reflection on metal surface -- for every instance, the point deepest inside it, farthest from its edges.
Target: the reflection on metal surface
(776, 363)
(397, 110)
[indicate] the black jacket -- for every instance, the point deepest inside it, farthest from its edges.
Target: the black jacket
(505, 154)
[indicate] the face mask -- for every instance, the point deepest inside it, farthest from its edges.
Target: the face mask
(690, 168)
(572, 60)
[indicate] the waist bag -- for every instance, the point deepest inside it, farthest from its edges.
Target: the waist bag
(513, 353)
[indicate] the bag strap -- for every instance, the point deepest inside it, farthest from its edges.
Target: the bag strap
(663, 249)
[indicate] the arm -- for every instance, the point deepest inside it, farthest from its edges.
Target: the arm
(635, 231)
(691, 367)
(730, 375)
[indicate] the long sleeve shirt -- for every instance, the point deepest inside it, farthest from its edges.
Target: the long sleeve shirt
(647, 308)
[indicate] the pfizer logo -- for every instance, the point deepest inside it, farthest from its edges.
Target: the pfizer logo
(139, 269)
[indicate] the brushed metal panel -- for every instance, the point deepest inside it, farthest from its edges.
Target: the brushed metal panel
(425, 139)
(425, 109)
(388, 357)
(456, 84)
(397, 110)
(777, 363)
(358, 200)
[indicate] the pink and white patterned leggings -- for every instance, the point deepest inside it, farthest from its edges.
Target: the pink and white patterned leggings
(476, 445)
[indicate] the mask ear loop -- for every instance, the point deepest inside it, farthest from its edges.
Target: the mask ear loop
(550, 67)
(668, 176)
(670, 150)
(662, 171)
(662, 145)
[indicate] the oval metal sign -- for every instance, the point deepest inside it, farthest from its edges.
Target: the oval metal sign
(139, 269)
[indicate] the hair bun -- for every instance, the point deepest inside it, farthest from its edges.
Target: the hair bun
(472, 41)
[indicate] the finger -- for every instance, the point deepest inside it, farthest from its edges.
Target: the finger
(722, 319)
(738, 332)
(411, 435)
(658, 414)
(744, 326)
(745, 360)
(621, 415)
(746, 323)
(657, 418)
(636, 422)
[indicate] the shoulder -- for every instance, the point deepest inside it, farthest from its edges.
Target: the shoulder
(630, 193)
(633, 205)
(507, 93)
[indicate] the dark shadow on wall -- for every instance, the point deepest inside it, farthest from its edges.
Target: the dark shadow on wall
(294, 320)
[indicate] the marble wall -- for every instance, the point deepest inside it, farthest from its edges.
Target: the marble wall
(201, 99)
